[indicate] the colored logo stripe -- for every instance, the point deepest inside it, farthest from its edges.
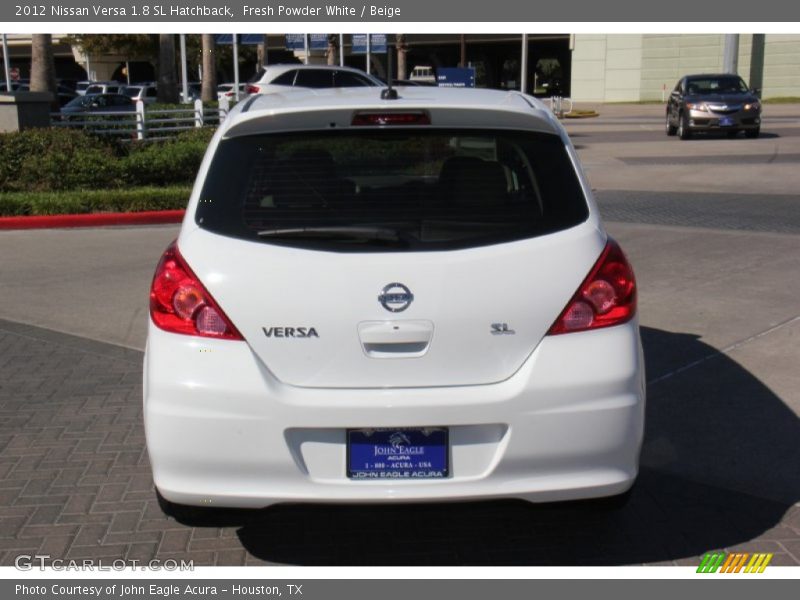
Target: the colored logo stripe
(735, 562)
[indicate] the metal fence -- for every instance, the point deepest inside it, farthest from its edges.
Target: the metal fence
(144, 123)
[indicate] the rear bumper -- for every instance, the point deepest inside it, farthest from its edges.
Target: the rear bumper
(222, 431)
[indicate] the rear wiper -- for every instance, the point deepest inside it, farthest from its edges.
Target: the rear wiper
(333, 233)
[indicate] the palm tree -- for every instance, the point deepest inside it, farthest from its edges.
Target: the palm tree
(209, 89)
(43, 68)
(402, 49)
(167, 74)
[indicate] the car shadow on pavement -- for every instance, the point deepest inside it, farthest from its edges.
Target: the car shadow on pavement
(719, 468)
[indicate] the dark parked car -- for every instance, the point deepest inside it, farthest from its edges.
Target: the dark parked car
(716, 102)
(99, 103)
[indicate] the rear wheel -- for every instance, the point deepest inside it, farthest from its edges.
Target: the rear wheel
(670, 128)
(752, 133)
(683, 127)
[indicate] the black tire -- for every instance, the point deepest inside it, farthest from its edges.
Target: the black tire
(683, 127)
(732, 133)
(752, 133)
(670, 128)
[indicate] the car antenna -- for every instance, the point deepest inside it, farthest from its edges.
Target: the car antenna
(389, 93)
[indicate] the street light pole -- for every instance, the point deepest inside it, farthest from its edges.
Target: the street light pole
(236, 66)
(6, 63)
(524, 64)
(184, 75)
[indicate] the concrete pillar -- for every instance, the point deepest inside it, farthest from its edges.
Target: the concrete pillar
(730, 56)
(756, 80)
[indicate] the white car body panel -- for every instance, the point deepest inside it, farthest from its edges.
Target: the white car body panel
(249, 424)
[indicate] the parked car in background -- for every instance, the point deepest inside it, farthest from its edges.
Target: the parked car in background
(423, 73)
(90, 103)
(145, 93)
(713, 102)
(275, 78)
(63, 93)
(104, 87)
(80, 87)
(227, 90)
(392, 301)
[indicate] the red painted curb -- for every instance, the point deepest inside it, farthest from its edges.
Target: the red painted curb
(151, 217)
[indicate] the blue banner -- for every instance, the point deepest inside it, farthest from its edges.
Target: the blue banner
(455, 77)
(318, 41)
(295, 41)
(377, 43)
(246, 39)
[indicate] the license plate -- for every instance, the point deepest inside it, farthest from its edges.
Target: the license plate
(725, 122)
(418, 453)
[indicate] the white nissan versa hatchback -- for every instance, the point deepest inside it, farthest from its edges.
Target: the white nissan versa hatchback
(405, 299)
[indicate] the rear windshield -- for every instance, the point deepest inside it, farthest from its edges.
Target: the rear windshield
(382, 190)
(132, 92)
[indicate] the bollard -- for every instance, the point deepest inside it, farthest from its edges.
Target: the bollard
(141, 130)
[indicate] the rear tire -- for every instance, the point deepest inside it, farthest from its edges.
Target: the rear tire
(752, 133)
(683, 127)
(733, 133)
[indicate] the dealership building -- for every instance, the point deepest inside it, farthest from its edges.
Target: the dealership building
(586, 67)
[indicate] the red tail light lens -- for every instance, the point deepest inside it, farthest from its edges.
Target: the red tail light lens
(606, 297)
(252, 89)
(180, 304)
(391, 118)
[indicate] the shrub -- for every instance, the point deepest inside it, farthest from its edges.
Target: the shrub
(58, 159)
(168, 162)
(93, 201)
(54, 159)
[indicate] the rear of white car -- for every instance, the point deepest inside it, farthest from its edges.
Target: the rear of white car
(400, 300)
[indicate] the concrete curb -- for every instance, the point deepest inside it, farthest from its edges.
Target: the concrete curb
(154, 217)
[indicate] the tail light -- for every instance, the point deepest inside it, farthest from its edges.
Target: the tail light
(391, 118)
(606, 297)
(180, 304)
(252, 89)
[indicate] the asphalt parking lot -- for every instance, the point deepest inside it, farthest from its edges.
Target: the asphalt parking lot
(712, 227)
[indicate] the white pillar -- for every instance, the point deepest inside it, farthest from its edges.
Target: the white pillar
(524, 64)
(184, 75)
(236, 66)
(369, 53)
(341, 49)
(305, 47)
(730, 56)
(141, 125)
(6, 62)
(198, 113)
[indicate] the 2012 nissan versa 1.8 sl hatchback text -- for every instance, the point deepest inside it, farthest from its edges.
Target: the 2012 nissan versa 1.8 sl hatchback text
(392, 300)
